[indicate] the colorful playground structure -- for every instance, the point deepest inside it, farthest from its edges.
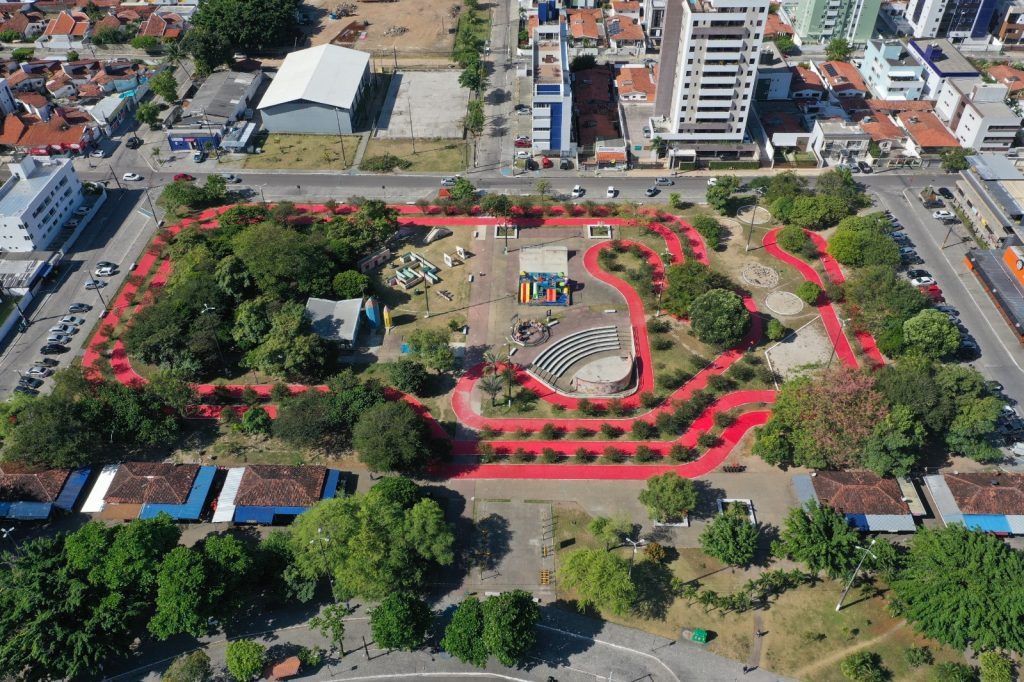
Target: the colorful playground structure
(413, 269)
(542, 276)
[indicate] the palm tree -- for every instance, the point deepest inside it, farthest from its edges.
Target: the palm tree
(508, 373)
(491, 384)
(493, 360)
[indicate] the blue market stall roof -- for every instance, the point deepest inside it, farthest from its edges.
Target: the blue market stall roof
(29, 494)
(868, 501)
(193, 506)
(266, 491)
(988, 501)
(177, 489)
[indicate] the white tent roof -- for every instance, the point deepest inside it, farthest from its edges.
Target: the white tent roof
(94, 502)
(326, 74)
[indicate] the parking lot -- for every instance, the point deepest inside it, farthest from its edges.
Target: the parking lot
(406, 111)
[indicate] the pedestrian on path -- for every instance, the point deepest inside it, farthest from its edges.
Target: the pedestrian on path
(746, 670)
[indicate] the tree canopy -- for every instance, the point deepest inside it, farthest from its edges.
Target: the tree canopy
(245, 659)
(463, 637)
(390, 436)
(400, 621)
(719, 318)
(249, 25)
(510, 625)
(821, 538)
(880, 302)
(862, 241)
(838, 49)
(686, 282)
(600, 579)
(931, 333)
(730, 537)
(669, 497)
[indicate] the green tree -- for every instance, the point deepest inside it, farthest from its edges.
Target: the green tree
(710, 229)
(350, 284)
(894, 446)
(796, 241)
(463, 190)
(193, 667)
(147, 43)
(730, 537)
(165, 85)
(148, 113)
(407, 375)
(400, 622)
(582, 62)
(955, 160)
(610, 531)
(931, 333)
(474, 120)
(289, 349)
(109, 36)
(430, 346)
(391, 437)
(330, 623)
(256, 421)
(474, 75)
(970, 431)
(954, 672)
(249, 25)
(510, 626)
(669, 497)
(492, 385)
(863, 666)
(600, 579)
(838, 50)
(719, 194)
(464, 635)
(808, 292)
(960, 587)
(283, 261)
(245, 659)
(496, 204)
(879, 299)
(22, 54)
(995, 667)
(686, 282)
(719, 318)
(181, 603)
(785, 44)
(858, 242)
(821, 538)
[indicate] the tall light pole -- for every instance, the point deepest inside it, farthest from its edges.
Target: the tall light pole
(207, 308)
(832, 355)
(866, 551)
(758, 193)
(639, 542)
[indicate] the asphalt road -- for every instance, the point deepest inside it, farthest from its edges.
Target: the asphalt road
(1002, 358)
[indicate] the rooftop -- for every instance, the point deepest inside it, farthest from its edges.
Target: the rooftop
(805, 79)
(782, 122)
(334, 320)
(583, 23)
(859, 492)
(637, 80)
(28, 178)
(926, 129)
(840, 76)
(987, 493)
(881, 128)
(624, 29)
(221, 92)
(548, 67)
(22, 484)
(326, 74)
(839, 127)
(889, 47)
(272, 485)
(1012, 78)
(151, 483)
(939, 55)
(775, 26)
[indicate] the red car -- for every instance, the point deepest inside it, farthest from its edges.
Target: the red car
(522, 142)
(183, 177)
(933, 292)
(546, 162)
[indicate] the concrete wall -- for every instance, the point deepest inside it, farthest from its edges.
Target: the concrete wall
(306, 118)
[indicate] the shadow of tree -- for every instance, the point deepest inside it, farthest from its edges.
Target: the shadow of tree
(491, 543)
(653, 582)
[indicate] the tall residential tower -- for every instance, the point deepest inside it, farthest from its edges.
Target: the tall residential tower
(819, 21)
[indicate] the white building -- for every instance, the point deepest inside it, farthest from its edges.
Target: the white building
(709, 57)
(890, 71)
(977, 114)
(552, 90)
(960, 20)
(36, 202)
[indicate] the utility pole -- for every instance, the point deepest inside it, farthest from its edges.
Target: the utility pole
(412, 128)
(639, 542)
(846, 590)
(753, 214)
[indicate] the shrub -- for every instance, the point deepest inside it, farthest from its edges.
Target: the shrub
(954, 672)
(486, 452)
(250, 396)
(710, 229)
(680, 453)
(548, 456)
(609, 431)
(644, 454)
(719, 317)
(776, 331)
(724, 419)
(587, 408)
(707, 440)
(667, 424)
(834, 292)
(655, 552)
(662, 343)
(522, 434)
(311, 657)
(796, 241)
(616, 408)
(918, 655)
(659, 325)
(229, 417)
(521, 456)
(549, 432)
(995, 667)
(863, 666)
(612, 455)
(280, 392)
(644, 430)
(582, 432)
(384, 163)
(649, 400)
(719, 383)
(741, 371)
(809, 292)
(255, 421)
(581, 456)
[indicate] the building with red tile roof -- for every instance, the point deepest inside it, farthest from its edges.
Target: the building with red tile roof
(109, 23)
(775, 27)
(625, 7)
(164, 26)
(806, 84)
(28, 24)
(926, 131)
(843, 79)
(868, 501)
(1010, 77)
(272, 485)
(637, 83)
(991, 501)
(66, 31)
(585, 24)
(625, 32)
(895, 106)
(28, 493)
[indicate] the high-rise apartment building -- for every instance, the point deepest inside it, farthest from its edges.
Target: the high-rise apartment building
(709, 55)
(819, 21)
(954, 19)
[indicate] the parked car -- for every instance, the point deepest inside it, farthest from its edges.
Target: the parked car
(651, 191)
(647, 132)
(62, 339)
(79, 308)
(531, 164)
(944, 192)
(948, 309)
(97, 154)
(183, 177)
(133, 142)
(523, 143)
(25, 390)
(131, 177)
(900, 237)
(71, 224)
(664, 182)
(864, 166)
(95, 284)
(71, 319)
(577, 191)
(546, 162)
(523, 109)
(46, 362)
(231, 179)
(907, 251)
(105, 271)
(565, 164)
(943, 215)
(611, 192)
(922, 281)
(449, 181)
(918, 273)
(66, 329)
(30, 382)
(853, 168)
(199, 156)
(38, 372)
(522, 154)
(53, 349)
(935, 203)
(712, 182)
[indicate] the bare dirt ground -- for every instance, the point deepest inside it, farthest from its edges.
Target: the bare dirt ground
(430, 25)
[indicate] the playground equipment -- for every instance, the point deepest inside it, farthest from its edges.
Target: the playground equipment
(544, 288)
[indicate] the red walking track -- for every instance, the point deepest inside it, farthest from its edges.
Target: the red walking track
(752, 403)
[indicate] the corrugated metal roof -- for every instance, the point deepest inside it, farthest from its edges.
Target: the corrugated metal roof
(94, 502)
(331, 486)
(945, 505)
(990, 523)
(804, 489)
(265, 515)
(193, 506)
(326, 74)
(72, 489)
(225, 511)
(26, 511)
(890, 523)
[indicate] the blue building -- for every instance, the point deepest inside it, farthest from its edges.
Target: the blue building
(959, 20)
(190, 139)
(941, 61)
(271, 493)
(32, 495)
(552, 90)
(890, 71)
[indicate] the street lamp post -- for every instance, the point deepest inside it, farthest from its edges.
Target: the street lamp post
(758, 193)
(866, 551)
(207, 308)
(102, 301)
(832, 355)
(639, 542)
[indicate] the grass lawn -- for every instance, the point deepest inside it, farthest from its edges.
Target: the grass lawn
(477, 23)
(305, 152)
(431, 155)
(806, 638)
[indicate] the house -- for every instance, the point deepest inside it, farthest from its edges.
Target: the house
(110, 22)
(169, 26)
(110, 111)
(24, 81)
(888, 138)
(775, 27)
(928, 137)
(1006, 75)
(65, 132)
(223, 98)
(625, 35)
(145, 489)
(270, 493)
(66, 31)
(629, 9)
(805, 84)
(941, 61)
(120, 75)
(842, 79)
(977, 114)
(28, 494)
(835, 141)
(61, 86)
(988, 501)
(81, 71)
(586, 26)
(27, 23)
(336, 321)
(784, 125)
(35, 104)
(637, 83)
(869, 502)
(318, 90)
(890, 70)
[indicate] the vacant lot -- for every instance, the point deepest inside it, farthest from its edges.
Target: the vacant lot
(305, 152)
(430, 155)
(423, 104)
(430, 24)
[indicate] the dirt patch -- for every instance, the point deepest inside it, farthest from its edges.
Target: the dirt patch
(429, 25)
(761, 216)
(758, 275)
(808, 346)
(784, 303)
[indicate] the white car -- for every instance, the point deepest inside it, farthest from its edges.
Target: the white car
(943, 215)
(450, 180)
(523, 154)
(38, 372)
(98, 154)
(64, 329)
(712, 182)
(131, 177)
(105, 271)
(95, 284)
(664, 181)
(611, 192)
(577, 192)
(72, 319)
(922, 281)
(62, 339)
